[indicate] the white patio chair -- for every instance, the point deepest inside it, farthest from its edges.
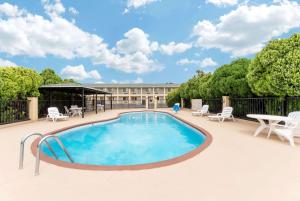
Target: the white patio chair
(67, 111)
(203, 111)
(226, 114)
(54, 114)
(293, 115)
(287, 131)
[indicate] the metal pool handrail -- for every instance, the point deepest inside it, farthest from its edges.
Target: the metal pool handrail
(37, 161)
(22, 144)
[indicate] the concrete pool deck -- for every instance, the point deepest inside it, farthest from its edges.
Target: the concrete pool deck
(235, 167)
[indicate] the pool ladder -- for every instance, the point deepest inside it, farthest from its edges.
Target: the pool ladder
(43, 139)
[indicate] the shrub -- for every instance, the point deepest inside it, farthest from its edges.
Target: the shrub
(275, 71)
(230, 80)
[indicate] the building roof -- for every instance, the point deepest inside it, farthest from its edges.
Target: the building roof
(72, 88)
(171, 85)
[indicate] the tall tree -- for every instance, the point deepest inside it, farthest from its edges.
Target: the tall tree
(50, 77)
(18, 83)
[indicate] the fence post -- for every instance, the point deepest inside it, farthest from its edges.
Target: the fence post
(197, 104)
(226, 101)
(33, 108)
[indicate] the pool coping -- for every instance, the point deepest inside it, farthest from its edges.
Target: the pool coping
(159, 164)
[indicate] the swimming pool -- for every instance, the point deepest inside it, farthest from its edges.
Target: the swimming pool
(136, 140)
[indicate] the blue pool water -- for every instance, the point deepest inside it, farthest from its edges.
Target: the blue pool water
(133, 139)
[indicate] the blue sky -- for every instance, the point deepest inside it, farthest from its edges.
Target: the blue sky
(150, 41)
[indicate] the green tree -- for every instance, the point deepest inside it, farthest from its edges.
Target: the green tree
(173, 97)
(275, 71)
(230, 80)
(50, 77)
(203, 86)
(18, 83)
(69, 81)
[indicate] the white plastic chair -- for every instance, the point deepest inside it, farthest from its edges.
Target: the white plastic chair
(226, 114)
(67, 111)
(287, 131)
(203, 111)
(54, 114)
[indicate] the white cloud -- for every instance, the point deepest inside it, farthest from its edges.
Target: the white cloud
(131, 54)
(79, 73)
(138, 80)
(136, 40)
(53, 8)
(6, 63)
(9, 10)
(73, 11)
(186, 61)
(206, 62)
(222, 2)
(173, 48)
(114, 82)
(35, 36)
(245, 31)
(138, 3)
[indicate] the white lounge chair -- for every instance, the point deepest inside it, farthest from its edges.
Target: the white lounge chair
(203, 111)
(226, 114)
(54, 114)
(287, 131)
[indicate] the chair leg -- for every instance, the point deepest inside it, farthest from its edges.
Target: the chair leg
(291, 140)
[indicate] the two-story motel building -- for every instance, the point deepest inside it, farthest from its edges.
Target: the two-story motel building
(136, 93)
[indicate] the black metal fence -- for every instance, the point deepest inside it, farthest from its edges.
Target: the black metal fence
(13, 111)
(215, 105)
(264, 105)
(124, 104)
(162, 103)
(90, 105)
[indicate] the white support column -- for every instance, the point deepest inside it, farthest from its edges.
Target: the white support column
(147, 104)
(117, 95)
(155, 102)
(141, 93)
(129, 95)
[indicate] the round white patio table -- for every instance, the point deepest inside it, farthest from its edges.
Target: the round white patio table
(76, 111)
(271, 119)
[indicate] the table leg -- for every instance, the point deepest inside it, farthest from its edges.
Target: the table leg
(272, 125)
(261, 127)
